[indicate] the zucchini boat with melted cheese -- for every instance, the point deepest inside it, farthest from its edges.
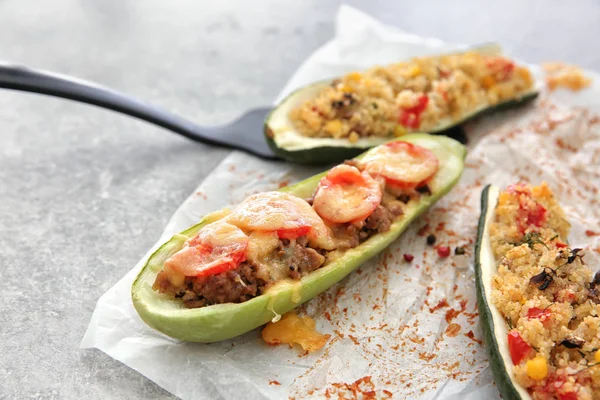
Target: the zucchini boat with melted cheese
(238, 269)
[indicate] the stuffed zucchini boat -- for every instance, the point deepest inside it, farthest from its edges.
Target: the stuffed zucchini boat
(538, 302)
(238, 269)
(334, 120)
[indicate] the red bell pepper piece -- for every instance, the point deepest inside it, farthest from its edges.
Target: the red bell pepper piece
(518, 347)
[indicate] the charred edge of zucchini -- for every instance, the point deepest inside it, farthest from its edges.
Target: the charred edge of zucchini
(501, 371)
(334, 154)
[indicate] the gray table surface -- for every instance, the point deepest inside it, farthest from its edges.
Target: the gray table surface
(85, 192)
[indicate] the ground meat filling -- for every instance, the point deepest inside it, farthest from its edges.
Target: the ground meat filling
(233, 286)
(292, 259)
(300, 258)
(246, 281)
(380, 220)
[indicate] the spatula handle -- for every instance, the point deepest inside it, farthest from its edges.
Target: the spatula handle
(30, 80)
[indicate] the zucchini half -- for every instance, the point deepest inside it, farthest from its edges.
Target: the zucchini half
(289, 144)
(495, 331)
(223, 321)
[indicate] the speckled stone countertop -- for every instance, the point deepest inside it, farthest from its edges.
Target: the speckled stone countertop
(85, 192)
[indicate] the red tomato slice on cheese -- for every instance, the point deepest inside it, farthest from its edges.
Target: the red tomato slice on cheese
(217, 248)
(294, 233)
(347, 195)
(402, 164)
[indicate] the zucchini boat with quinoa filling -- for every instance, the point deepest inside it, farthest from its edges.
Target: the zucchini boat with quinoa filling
(539, 303)
(238, 269)
(333, 120)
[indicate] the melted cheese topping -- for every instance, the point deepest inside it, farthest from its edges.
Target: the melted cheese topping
(402, 163)
(220, 234)
(274, 211)
(261, 246)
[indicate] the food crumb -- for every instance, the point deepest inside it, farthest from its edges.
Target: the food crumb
(471, 336)
(459, 250)
(408, 257)
(571, 77)
(431, 239)
(441, 304)
(443, 251)
(423, 230)
(451, 314)
(274, 383)
(362, 388)
(453, 330)
(292, 329)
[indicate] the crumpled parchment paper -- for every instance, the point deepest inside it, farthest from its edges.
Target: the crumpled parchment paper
(398, 329)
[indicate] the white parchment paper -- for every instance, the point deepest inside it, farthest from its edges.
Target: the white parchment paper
(401, 330)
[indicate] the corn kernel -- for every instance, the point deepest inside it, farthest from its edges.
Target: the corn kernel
(537, 368)
(597, 356)
(346, 89)
(399, 130)
(353, 137)
(354, 77)
(333, 127)
(414, 71)
(488, 81)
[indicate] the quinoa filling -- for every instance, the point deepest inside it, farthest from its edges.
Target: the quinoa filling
(547, 295)
(418, 95)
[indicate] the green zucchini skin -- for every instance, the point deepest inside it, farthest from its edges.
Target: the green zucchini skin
(224, 321)
(315, 156)
(334, 154)
(493, 334)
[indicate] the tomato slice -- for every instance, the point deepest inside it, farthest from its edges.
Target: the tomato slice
(518, 347)
(402, 164)
(284, 213)
(218, 247)
(347, 195)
